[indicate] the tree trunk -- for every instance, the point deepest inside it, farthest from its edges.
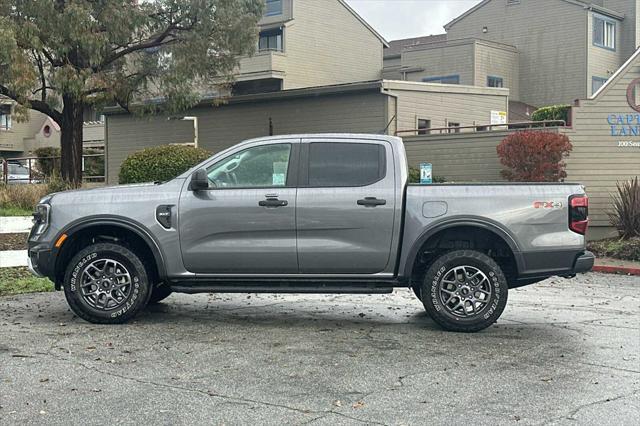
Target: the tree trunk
(71, 141)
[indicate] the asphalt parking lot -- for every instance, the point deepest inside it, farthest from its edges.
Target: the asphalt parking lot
(564, 352)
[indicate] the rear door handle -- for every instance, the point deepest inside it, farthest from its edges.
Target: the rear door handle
(273, 202)
(371, 202)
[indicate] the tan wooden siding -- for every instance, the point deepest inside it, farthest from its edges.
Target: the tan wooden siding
(596, 160)
(497, 62)
(93, 132)
(461, 157)
(287, 13)
(391, 70)
(443, 107)
(326, 44)
(439, 61)
(603, 63)
(629, 33)
(550, 38)
(392, 73)
(224, 126)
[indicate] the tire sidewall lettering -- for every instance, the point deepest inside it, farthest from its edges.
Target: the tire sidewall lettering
(78, 268)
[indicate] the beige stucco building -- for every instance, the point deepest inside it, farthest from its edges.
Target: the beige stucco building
(546, 51)
(307, 43)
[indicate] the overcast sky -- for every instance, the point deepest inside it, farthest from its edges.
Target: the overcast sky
(396, 19)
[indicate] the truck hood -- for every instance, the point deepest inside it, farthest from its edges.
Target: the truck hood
(120, 200)
(112, 188)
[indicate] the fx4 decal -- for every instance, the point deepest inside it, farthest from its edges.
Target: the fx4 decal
(547, 205)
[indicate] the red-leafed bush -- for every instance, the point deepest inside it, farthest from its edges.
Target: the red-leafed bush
(533, 156)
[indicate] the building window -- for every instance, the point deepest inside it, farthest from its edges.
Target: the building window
(512, 2)
(495, 81)
(5, 117)
(274, 7)
(454, 127)
(270, 40)
(604, 32)
(447, 79)
(423, 126)
(597, 83)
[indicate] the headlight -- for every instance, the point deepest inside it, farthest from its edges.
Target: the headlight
(41, 218)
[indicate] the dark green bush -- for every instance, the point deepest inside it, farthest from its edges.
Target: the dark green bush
(93, 166)
(414, 176)
(551, 113)
(160, 163)
(48, 166)
(617, 248)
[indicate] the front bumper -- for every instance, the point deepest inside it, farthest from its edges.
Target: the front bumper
(40, 260)
(584, 262)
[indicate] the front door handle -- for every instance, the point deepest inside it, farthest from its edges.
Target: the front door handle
(371, 202)
(273, 202)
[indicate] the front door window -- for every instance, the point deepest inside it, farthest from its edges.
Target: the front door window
(264, 166)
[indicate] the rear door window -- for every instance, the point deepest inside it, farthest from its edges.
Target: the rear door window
(339, 164)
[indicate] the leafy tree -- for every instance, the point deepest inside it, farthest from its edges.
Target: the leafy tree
(61, 57)
(534, 156)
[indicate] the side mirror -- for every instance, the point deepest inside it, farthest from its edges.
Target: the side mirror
(199, 180)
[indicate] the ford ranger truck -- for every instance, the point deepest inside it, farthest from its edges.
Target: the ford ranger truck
(326, 213)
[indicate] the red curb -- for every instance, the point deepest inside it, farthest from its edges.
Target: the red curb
(616, 270)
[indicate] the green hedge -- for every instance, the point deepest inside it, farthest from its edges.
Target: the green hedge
(551, 113)
(161, 163)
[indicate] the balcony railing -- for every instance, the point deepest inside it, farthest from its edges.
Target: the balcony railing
(483, 128)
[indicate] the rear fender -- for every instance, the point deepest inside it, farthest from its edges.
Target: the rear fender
(454, 222)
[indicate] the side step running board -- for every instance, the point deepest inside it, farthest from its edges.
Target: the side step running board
(281, 287)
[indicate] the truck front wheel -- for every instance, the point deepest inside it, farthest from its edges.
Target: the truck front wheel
(106, 283)
(464, 290)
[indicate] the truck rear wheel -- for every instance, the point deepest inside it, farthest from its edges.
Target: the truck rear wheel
(464, 290)
(106, 283)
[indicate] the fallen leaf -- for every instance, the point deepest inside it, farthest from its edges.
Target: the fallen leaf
(358, 404)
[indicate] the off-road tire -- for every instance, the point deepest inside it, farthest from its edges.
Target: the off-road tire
(137, 294)
(159, 293)
(442, 313)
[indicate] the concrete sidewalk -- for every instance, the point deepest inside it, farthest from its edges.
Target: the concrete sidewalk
(13, 258)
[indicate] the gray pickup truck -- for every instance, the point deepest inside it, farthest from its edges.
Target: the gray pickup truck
(309, 214)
